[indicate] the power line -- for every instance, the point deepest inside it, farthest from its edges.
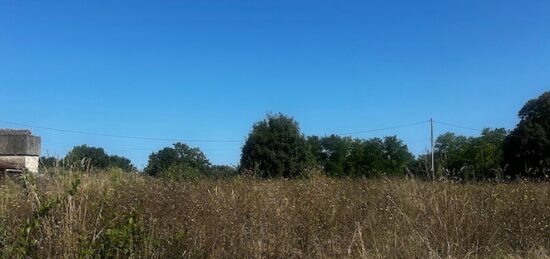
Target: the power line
(187, 140)
(457, 126)
(214, 153)
(480, 130)
(120, 136)
(382, 129)
(125, 148)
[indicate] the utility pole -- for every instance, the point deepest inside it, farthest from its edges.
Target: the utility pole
(432, 140)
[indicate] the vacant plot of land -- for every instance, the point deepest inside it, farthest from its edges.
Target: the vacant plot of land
(113, 214)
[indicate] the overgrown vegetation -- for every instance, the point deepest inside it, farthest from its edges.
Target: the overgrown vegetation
(115, 214)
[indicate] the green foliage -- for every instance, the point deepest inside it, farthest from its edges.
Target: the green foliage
(222, 171)
(470, 157)
(420, 167)
(48, 162)
(122, 240)
(487, 150)
(367, 159)
(527, 148)
(85, 156)
(80, 154)
(336, 151)
(449, 150)
(275, 148)
(179, 160)
(121, 162)
(330, 153)
(26, 244)
(315, 151)
(344, 156)
(182, 172)
(396, 156)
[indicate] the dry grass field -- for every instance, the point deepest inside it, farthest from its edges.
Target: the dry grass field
(112, 214)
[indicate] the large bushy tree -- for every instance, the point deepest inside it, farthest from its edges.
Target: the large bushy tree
(178, 161)
(344, 156)
(275, 148)
(375, 157)
(470, 157)
(396, 156)
(315, 151)
(96, 157)
(527, 147)
(331, 153)
(122, 163)
(450, 151)
(488, 151)
(367, 158)
(83, 154)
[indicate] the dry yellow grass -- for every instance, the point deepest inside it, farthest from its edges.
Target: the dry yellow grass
(116, 215)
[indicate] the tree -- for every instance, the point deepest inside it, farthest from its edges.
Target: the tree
(376, 157)
(178, 161)
(366, 158)
(121, 162)
(96, 157)
(275, 148)
(316, 152)
(344, 156)
(527, 147)
(470, 157)
(222, 171)
(396, 156)
(488, 152)
(48, 162)
(450, 151)
(421, 166)
(335, 153)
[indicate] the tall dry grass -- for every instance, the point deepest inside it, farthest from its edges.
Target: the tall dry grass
(71, 214)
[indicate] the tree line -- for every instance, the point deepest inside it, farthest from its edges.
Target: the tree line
(275, 147)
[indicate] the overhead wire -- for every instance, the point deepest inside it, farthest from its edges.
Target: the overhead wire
(121, 136)
(479, 130)
(457, 126)
(188, 140)
(382, 129)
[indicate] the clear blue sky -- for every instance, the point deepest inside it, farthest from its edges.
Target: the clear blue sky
(210, 69)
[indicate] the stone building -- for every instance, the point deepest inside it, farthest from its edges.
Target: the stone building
(20, 149)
